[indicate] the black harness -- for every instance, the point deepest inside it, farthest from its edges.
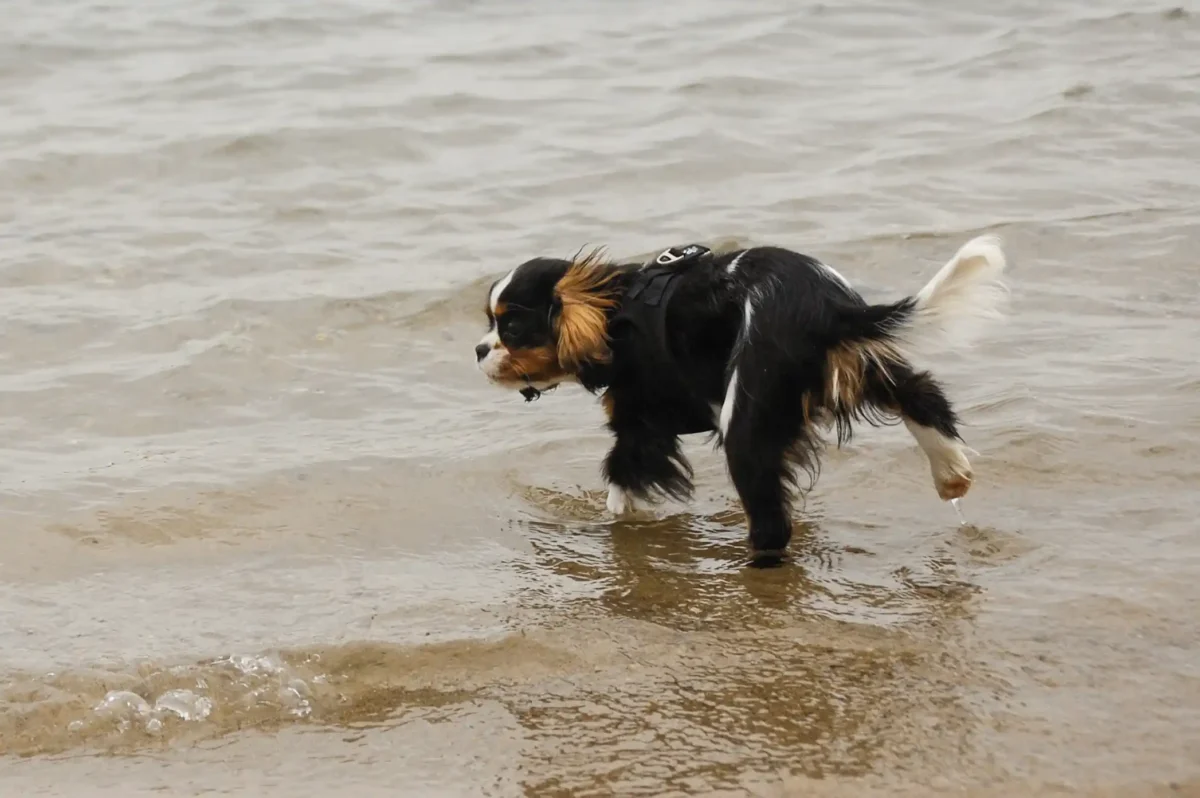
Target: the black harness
(641, 324)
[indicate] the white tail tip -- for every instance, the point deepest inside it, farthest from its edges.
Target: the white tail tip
(962, 298)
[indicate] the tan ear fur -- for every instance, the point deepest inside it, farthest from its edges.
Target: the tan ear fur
(585, 292)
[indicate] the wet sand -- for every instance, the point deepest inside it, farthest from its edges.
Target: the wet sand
(266, 531)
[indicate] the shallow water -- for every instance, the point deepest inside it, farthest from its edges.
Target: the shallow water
(247, 455)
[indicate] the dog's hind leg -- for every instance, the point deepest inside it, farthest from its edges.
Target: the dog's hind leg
(766, 434)
(930, 418)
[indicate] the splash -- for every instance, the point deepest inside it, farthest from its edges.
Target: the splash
(129, 710)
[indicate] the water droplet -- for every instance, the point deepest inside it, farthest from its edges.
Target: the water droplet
(962, 519)
(75, 726)
(154, 726)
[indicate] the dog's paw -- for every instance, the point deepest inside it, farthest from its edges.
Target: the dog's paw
(952, 477)
(953, 487)
(619, 501)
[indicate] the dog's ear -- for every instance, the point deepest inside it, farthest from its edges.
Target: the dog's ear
(582, 298)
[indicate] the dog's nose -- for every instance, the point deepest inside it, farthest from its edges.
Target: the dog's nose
(481, 352)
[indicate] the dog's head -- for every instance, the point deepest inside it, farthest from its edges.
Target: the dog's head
(547, 320)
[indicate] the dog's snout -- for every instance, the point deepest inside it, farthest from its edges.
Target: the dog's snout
(481, 351)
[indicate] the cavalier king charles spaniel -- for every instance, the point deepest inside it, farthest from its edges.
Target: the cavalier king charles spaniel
(761, 347)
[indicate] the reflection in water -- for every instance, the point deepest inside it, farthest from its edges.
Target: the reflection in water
(731, 670)
(688, 571)
(681, 571)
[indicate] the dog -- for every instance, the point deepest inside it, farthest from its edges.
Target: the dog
(761, 347)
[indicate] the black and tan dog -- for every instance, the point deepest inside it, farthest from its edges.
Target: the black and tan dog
(761, 346)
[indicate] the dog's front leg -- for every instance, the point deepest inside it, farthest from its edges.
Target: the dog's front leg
(644, 461)
(620, 501)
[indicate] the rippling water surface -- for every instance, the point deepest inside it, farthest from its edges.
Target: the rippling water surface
(265, 530)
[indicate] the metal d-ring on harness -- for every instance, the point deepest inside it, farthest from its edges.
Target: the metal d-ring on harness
(654, 284)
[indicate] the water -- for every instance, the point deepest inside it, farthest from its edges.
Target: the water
(259, 506)
(955, 503)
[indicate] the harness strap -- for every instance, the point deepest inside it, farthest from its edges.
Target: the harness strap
(645, 307)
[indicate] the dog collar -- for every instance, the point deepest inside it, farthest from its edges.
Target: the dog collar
(530, 393)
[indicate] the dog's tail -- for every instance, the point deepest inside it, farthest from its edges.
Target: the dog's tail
(948, 313)
(955, 307)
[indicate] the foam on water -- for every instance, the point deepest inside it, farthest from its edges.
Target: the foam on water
(125, 709)
(162, 702)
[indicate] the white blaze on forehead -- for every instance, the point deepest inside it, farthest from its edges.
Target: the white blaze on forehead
(498, 289)
(497, 354)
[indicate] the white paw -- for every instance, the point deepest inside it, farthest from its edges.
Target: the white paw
(952, 475)
(952, 480)
(619, 502)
